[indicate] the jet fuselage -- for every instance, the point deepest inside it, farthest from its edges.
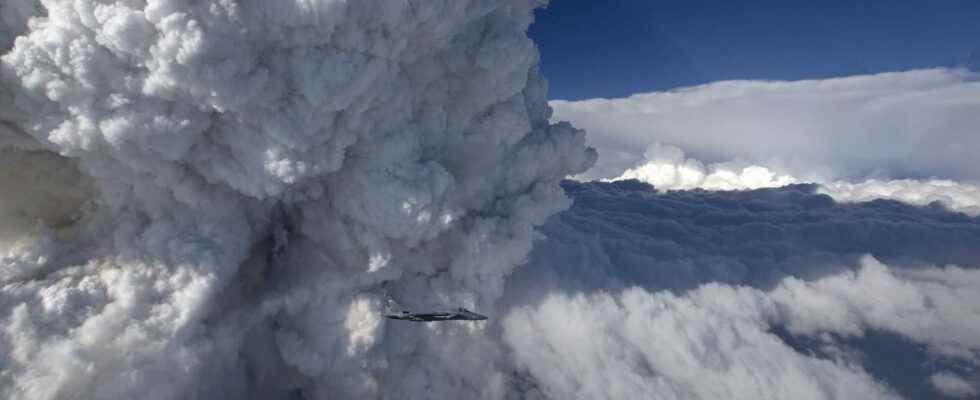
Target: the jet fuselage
(460, 314)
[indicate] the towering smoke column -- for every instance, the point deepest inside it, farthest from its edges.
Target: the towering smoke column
(207, 199)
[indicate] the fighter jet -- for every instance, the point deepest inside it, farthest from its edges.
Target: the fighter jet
(394, 311)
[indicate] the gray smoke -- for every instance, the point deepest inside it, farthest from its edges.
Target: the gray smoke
(208, 199)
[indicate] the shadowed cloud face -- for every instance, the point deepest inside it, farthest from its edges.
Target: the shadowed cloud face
(641, 281)
(625, 233)
(871, 267)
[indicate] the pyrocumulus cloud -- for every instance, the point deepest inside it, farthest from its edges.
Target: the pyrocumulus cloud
(208, 199)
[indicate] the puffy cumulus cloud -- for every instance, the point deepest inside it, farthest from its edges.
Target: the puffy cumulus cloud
(717, 341)
(667, 168)
(906, 125)
(709, 344)
(224, 188)
(937, 307)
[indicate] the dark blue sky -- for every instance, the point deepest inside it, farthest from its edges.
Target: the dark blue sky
(613, 48)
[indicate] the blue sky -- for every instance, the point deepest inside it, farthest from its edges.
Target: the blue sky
(619, 47)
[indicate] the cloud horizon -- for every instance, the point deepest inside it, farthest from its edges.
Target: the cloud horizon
(918, 124)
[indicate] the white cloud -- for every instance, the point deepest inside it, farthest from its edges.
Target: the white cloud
(709, 344)
(906, 125)
(716, 341)
(952, 385)
(797, 247)
(666, 168)
(957, 196)
(937, 307)
(900, 136)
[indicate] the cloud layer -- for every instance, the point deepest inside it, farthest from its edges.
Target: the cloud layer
(756, 287)
(667, 168)
(738, 294)
(626, 233)
(905, 125)
(717, 341)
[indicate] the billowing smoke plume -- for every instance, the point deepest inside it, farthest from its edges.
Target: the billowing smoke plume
(208, 199)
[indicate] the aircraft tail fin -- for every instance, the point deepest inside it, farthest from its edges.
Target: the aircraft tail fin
(391, 306)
